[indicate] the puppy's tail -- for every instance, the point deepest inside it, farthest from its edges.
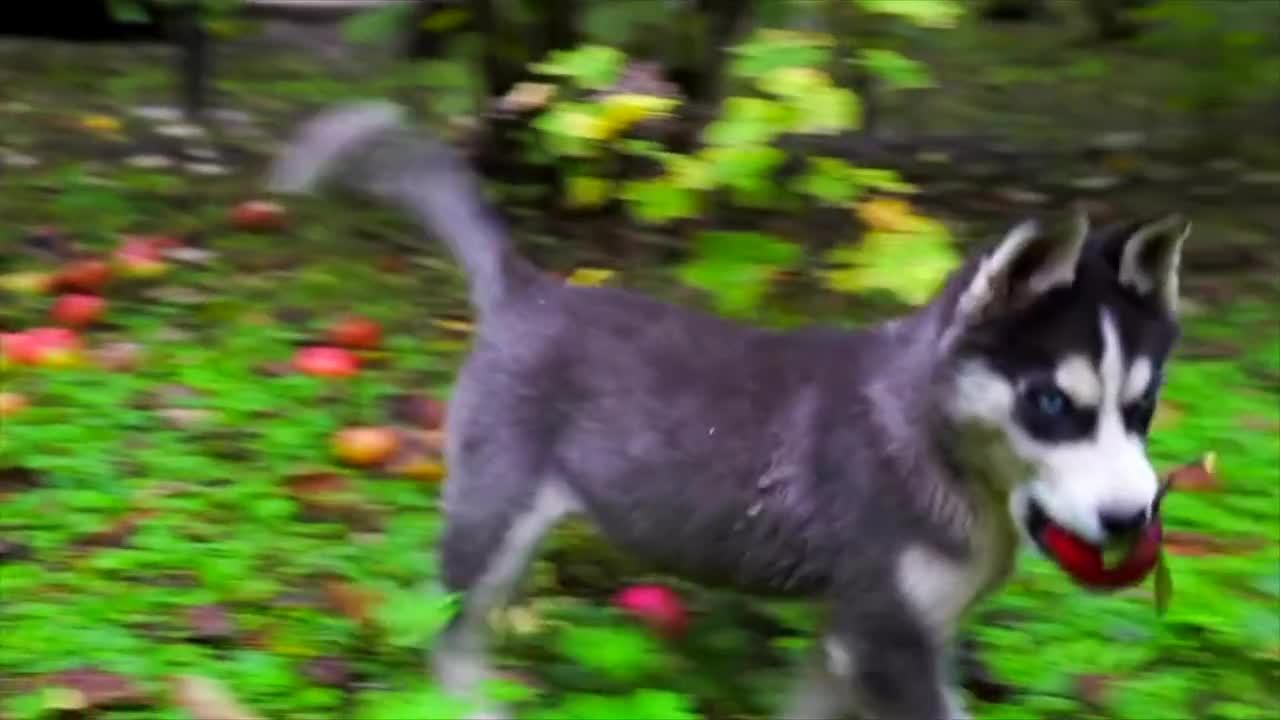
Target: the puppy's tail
(367, 148)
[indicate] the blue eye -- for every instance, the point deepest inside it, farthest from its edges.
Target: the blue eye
(1049, 401)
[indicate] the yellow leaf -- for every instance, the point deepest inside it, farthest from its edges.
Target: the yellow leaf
(527, 96)
(458, 326)
(623, 110)
(585, 191)
(589, 277)
(100, 123)
(888, 214)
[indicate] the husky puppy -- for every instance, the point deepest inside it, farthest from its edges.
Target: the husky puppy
(891, 472)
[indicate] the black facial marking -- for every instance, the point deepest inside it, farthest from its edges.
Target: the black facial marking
(1047, 413)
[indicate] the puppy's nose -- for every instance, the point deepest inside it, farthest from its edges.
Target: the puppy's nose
(1121, 522)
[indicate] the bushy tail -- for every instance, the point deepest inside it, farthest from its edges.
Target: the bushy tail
(367, 148)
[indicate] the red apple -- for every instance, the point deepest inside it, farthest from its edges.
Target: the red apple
(355, 332)
(1083, 561)
(52, 346)
(656, 606)
(86, 276)
(323, 361)
(141, 255)
(11, 404)
(364, 445)
(77, 310)
(16, 349)
(258, 215)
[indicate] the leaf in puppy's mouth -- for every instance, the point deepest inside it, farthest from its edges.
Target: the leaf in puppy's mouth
(1115, 552)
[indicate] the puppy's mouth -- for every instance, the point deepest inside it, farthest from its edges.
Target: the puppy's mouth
(1122, 563)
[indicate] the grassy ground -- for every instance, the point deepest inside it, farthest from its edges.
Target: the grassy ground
(184, 519)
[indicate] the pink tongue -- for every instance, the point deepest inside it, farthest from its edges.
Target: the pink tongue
(1083, 561)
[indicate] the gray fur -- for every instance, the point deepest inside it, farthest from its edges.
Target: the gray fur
(799, 463)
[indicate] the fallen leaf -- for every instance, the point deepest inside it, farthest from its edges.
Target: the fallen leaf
(86, 688)
(1092, 688)
(1189, 543)
(210, 623)
(16, 479)
(13, 551)
(207, 699)
(328, 671)
(1196, 476)
(419, 455)
(118, 533)
(185, 418)
(117, 356)
(461, 327)
(358, 604)
(589, 277)
(310, 484)
(416, 410)
(100, 123)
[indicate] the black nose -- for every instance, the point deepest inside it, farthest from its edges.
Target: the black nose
(1119, 523)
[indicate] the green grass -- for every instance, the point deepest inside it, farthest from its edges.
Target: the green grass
(223, 529)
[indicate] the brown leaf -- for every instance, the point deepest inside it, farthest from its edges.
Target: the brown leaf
(1092, 688)
(1189, 543)
(419, 455)
(328, 671)
(117, 356)
(13, 551)
(210, 623)
(309, 484)
(207, 699)
(354, 602)
(1196, 476)
(419, 411)
(16, 479)
(118, 533)
(184, 418)
(91, 688)
(274, 369)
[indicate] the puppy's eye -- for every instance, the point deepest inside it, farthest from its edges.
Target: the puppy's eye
(1048, 400)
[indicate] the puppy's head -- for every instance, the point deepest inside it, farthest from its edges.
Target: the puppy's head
(1058, 339)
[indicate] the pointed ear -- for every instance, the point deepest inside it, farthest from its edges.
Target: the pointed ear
(1033, 258)
(1150, 257)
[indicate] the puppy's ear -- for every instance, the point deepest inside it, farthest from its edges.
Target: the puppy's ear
(1034, 258)
(1147, 259)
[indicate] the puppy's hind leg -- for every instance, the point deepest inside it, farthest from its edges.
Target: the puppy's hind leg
(485, 552)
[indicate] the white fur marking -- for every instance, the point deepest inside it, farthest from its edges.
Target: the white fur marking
(839, 659)
(942, 589)
(1138, 379)
(1076, 376)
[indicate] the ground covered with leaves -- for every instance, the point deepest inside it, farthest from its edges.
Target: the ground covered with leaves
(183, 534)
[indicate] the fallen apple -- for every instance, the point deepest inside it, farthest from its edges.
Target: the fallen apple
(355, 332)
(364, 445)
(258, 215)
(16, 349)
(656, 606)
(141, 255)
(85, 276)
(12, 403)
(324, 361)
(77, 310)
(27, 283)
(53, 346)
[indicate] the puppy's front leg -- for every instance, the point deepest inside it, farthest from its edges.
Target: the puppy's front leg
(895, 669)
